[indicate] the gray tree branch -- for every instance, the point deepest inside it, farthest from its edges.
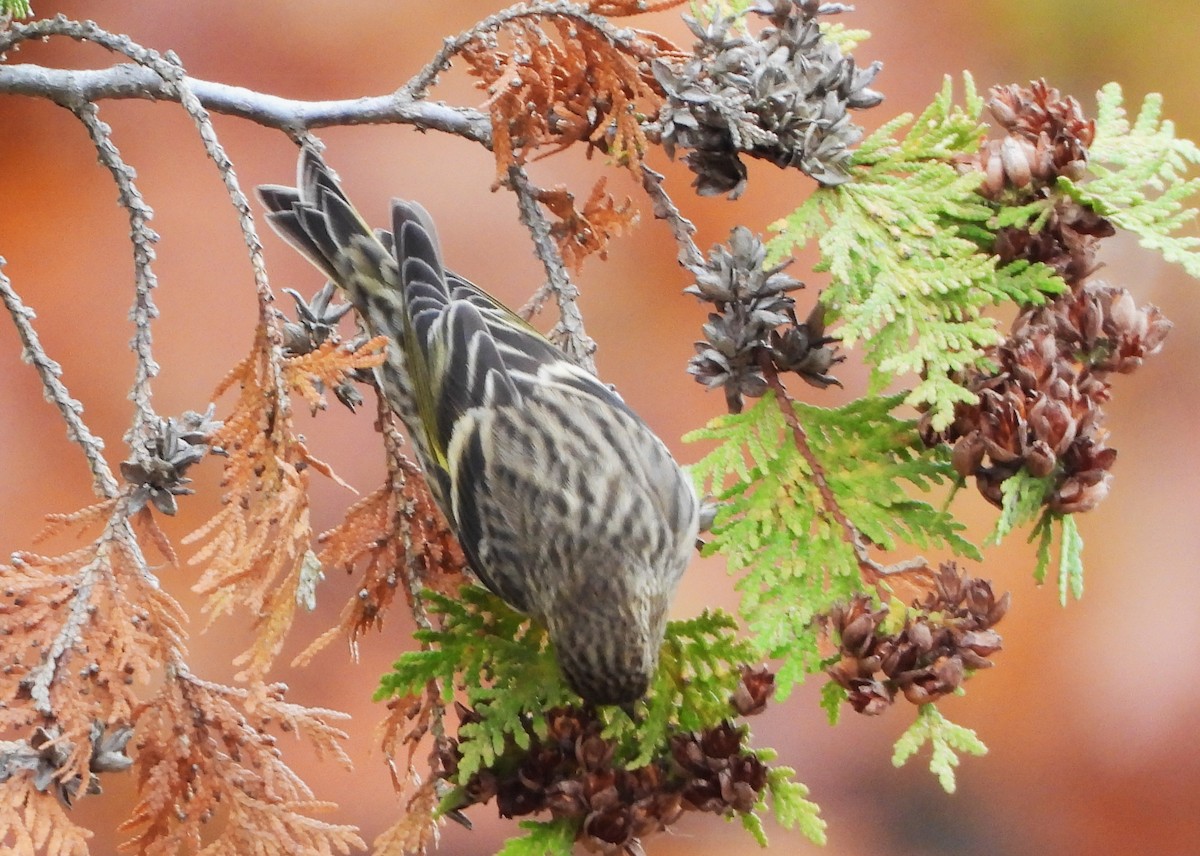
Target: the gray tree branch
(127, 81)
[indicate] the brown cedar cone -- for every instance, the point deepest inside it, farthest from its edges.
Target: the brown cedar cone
(947, 633)
(720, 775)
(571, 774)
(754, 691)
(1067, 242)
(1042, 410)
(1047, 136)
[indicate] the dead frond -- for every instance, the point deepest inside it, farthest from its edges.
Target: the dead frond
(256, 549)
(580, 234)
(621, 8)
(33, 823)
(328, 366)
(416, 830)
(83, 629)
(203, 747)
(553, 80)
(396, 534)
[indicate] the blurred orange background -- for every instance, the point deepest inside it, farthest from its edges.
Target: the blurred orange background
(1091, 713)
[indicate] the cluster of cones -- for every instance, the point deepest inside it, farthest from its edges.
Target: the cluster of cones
(945, 635)
(1041, 409)
(572, 773)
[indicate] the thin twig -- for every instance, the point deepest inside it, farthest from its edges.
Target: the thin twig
(398, 473)
(873, 572)
(171, 69)
(143, 238)
(535, 304)
(55, 391)
(155, 77)
(688, 255)
(568, 333)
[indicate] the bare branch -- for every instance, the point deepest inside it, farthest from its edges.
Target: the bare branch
(143, 239)
(568, 333)
(56, 392)
(689, 255)
(293, 116)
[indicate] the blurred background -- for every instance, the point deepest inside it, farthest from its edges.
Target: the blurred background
(1090, 714)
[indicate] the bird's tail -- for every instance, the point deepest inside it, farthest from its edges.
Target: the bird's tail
(318, 220)
(396, 282)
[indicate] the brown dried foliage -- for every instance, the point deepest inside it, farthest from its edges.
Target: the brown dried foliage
(416, 830)
(328, 365)
(81, 630)
(621, 8)
(256, 548)
(561, 80)
(399, 537)
(204, 748)
(409, 721)
(580, 234)
(34, 822)
(84, 629)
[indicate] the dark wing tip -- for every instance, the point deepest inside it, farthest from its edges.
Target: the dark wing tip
(414, 216)
(298, 215)
(276, 197)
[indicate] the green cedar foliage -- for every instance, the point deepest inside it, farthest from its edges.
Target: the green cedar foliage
(771, 503)
(505, 665)
(946, 740)
(550, 838)
(1138, 177)
(899, 240)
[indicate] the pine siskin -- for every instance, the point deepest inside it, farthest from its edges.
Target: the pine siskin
(566, 504)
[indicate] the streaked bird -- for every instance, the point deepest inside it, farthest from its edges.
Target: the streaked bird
(566, 504)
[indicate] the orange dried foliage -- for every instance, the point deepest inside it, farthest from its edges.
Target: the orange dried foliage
(203, 747)
(408, 722)
(400, 538)
(620, 8)
(34, 823)
(257, 547)
(582, 233)
(327, 365)
(81, 520)
(148, 530)
(416, 830)
(575, 86)
(83, 629)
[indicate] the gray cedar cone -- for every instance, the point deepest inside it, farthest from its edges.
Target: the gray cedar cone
(783, 95)
(754, 321)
